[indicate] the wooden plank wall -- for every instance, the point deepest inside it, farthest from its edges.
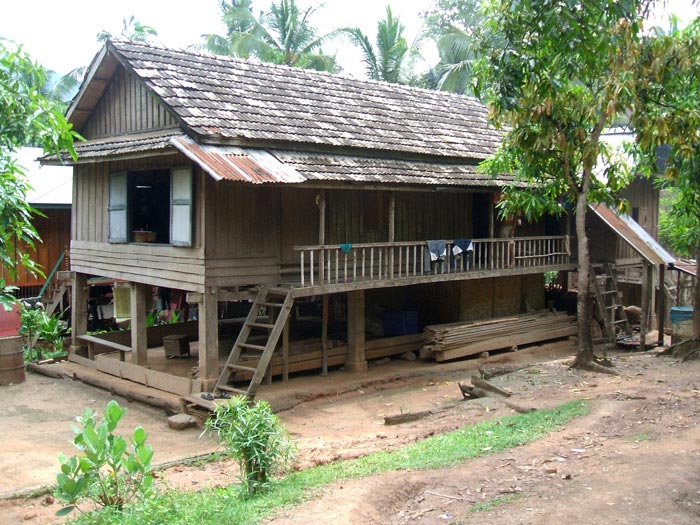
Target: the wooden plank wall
(242, 233)
(127, 106)
(160, 265)
(425, 216)
(642, 195)
(54, 230)
(299, 221)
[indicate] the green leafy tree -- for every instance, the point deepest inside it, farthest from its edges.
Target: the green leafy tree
(668, 113)
(455, 26)
(387, 57)
(282, 35)
(558, 76)
(26, 117)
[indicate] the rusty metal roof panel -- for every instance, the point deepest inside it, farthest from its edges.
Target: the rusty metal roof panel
(636, 236)
(238, 164)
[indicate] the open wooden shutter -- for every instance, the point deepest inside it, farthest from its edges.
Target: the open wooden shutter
(181, 197)
(118, 207)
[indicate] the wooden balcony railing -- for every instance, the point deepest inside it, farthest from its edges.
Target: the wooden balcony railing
(344, 263)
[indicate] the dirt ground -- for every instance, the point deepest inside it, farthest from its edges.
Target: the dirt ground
(634, 459)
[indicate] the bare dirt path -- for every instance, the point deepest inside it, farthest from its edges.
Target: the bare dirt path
(633, 459)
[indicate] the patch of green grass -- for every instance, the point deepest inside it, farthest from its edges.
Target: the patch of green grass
(491, 504)
(639, 437)
(229, 506)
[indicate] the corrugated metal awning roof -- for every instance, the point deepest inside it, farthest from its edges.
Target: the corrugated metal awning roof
(238, 164)
(629, 230)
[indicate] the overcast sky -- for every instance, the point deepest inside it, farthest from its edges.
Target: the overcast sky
(60, 34)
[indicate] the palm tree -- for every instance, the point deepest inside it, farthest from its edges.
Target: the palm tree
(457, 56)
(64, 88)
(385, 59)
(282, 35)
(132, 29)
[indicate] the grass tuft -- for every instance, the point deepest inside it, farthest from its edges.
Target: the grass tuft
(230, 505)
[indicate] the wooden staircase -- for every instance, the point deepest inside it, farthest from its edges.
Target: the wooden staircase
(277, 302)
(607, 295)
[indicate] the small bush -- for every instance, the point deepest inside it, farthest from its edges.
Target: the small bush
(254, 436)
(104, 471)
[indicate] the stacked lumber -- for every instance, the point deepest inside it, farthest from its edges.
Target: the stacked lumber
(454, 340)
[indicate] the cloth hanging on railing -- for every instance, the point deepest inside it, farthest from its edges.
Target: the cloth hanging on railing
(346, 247)
(465, 248)
(436, 252)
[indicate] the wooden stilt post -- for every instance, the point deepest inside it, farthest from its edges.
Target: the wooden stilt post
(139, 347)
(324, 337)
(208, 339)
(321, 202)
(285, 352)
(646, 292)
(79, 309)
(392, 231)
(356, 361)
(661, 304)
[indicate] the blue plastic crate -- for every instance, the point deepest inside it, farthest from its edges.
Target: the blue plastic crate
(400, 323)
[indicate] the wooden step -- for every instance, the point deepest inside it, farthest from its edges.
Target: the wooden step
(261, 325)
(233, 390)
(241, 368)
(252, 347)
(273, 305)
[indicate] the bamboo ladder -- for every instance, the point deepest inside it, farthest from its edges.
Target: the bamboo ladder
(608, 299)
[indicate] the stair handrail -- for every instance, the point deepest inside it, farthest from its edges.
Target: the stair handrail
(51, 275)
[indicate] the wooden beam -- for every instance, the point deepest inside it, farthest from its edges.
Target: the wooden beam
(209, 339)
(661, 304)
(139, 346)
(356, 361)
(646, 293)
(285, 351)
(324, 336)
(321, 202)
(79, 308)
(222, 296)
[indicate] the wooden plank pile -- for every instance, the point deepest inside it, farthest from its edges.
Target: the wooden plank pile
(454, 340)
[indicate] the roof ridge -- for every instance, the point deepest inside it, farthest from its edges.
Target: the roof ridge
(311, 72)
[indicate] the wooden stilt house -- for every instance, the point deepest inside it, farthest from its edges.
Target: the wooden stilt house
(238, 181)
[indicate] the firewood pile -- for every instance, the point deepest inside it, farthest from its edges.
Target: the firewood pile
(454, 340)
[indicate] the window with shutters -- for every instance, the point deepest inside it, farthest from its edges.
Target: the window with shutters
(153, 206)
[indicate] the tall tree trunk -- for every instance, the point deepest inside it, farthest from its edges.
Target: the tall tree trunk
(584, 350)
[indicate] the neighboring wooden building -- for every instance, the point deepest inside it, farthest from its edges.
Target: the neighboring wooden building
(239, 181)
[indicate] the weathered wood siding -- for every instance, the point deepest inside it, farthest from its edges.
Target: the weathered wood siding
(54, 231)
(299, 224)
(160, 265)
(424, 216)
(126, 107)
(242, 233)
(643, 200)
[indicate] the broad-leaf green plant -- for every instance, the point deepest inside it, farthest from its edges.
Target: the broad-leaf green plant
(254, 436)
(108, 471)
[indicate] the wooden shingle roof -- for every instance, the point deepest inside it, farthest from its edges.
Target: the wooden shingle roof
(233, 101)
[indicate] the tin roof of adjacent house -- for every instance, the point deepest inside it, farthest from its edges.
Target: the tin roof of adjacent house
(636, 236)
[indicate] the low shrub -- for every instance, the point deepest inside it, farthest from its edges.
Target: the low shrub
(254, 436)
(105, 472)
